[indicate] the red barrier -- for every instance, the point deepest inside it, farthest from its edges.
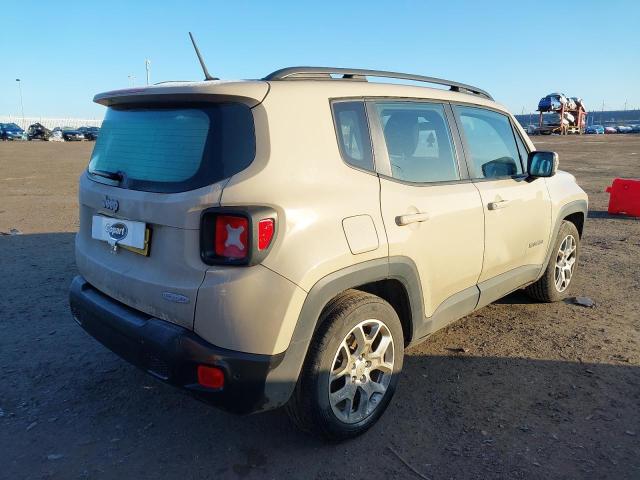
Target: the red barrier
(624, 197)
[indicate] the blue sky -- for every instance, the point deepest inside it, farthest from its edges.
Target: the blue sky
(65, 52)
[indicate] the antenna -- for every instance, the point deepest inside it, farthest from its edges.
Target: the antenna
(147, 65)
(207, 76)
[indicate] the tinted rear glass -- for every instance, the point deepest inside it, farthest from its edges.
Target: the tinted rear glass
(353, 134)
(174, 149)
(418, 141)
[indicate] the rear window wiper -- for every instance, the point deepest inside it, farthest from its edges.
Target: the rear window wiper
(117, 176)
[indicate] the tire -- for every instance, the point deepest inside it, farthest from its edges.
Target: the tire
(546, 289)
(310, 406)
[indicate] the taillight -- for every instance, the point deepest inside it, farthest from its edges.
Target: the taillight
(237, 235)
(232, 236)
(266, 227)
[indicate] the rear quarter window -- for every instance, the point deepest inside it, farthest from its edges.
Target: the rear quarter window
(352, 131)
(174, 148)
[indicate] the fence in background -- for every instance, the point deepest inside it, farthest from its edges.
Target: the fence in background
(50, 123)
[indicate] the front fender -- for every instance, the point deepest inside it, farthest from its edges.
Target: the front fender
(577, 206)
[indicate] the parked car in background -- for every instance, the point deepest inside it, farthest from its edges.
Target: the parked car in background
(56, 135)
(72, 135)
(11, 131)
(37, 131)
(610, 130)
(594, 129)
(553, 102)
(624, 129)
(90, 133)
(635, 128)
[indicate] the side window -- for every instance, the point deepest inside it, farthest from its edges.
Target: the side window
(418, 141)
(491, 143)
(522, 148)
(353, 134)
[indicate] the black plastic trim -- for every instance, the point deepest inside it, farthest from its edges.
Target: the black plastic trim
(282, 380)
(172, 353)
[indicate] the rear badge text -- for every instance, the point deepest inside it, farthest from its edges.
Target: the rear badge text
(110, 204)
(175, 297)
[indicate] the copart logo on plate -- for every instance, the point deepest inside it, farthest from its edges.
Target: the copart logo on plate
(116, 231)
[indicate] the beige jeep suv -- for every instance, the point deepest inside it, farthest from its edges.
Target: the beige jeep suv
(280, 242)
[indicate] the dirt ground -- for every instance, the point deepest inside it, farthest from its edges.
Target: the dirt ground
(543, 391)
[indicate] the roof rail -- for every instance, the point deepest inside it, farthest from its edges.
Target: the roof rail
(324, 73)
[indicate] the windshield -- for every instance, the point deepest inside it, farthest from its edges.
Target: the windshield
(174, 149)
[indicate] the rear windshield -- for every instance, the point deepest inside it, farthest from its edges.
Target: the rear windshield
(173, 149)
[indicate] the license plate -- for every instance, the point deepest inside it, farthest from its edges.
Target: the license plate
(124, 233)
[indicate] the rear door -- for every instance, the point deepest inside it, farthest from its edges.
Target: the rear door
(152, 172)
(517, 210)
(432, 213)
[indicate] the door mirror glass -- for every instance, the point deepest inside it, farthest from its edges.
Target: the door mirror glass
(542, 164)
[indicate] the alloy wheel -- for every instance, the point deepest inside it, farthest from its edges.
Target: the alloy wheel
(361, 371)
(565, 263)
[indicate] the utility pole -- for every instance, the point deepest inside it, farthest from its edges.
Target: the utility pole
(602, 114)
(21, 104)
(132, 79)
(147, 65)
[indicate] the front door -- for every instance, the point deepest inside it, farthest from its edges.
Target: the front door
(517, 210)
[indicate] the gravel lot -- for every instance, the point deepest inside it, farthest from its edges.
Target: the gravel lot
(543, 391)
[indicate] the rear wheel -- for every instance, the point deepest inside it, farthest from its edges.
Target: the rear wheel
(352, 367)
(555, 282)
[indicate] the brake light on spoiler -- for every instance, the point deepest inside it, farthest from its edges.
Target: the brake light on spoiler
(236, 235)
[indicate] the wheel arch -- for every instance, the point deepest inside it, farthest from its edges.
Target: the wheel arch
(574, 212)
(394, 279)
(577, 218)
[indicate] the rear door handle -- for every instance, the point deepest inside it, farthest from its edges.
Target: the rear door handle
(499, 204)
(402, 220)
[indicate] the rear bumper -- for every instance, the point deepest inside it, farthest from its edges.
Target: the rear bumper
(170, 352)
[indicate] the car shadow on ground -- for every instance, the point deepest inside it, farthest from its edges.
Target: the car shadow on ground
(486, 417)
(71, 408)
(519, 297)
(598, 214)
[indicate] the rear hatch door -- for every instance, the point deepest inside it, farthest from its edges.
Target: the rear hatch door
(153, 170)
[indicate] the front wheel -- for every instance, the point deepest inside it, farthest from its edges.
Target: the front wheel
(554, 284)
(352, 367)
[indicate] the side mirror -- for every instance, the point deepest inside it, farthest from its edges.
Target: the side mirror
(542, 164)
